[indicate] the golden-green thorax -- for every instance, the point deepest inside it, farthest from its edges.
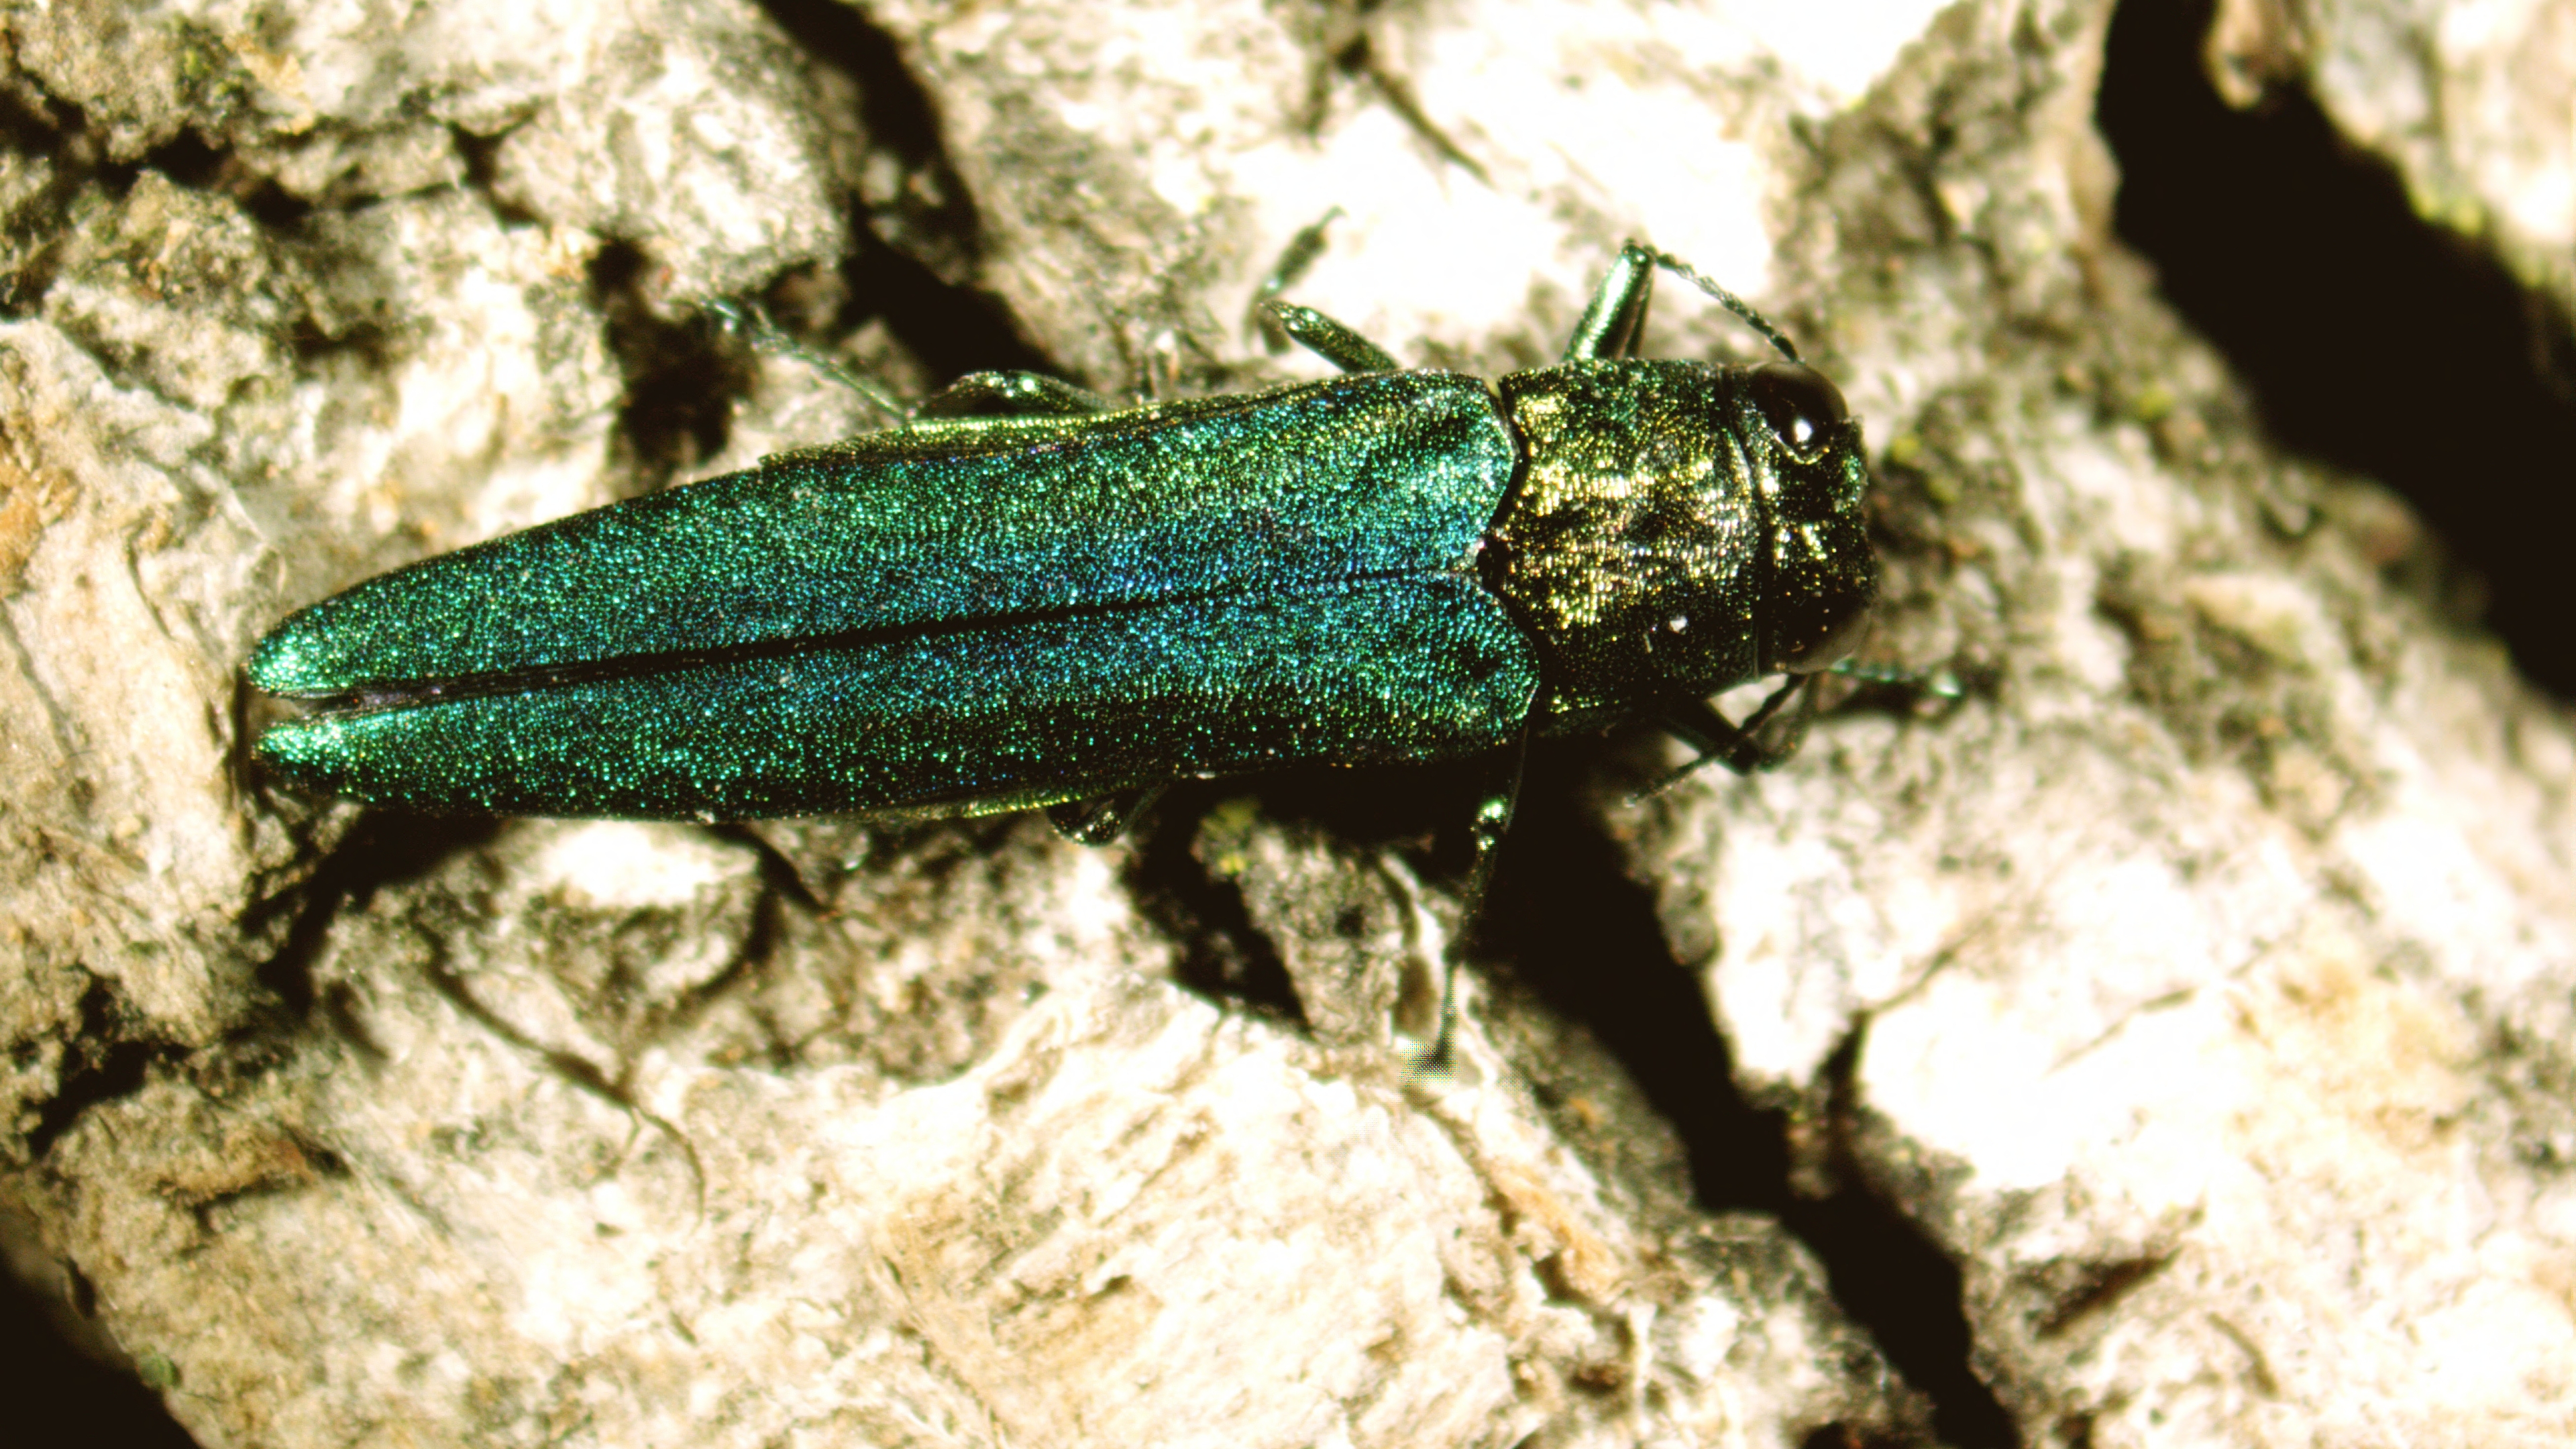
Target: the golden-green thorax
(1679, 528)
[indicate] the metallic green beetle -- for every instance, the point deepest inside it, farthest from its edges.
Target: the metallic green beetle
(1020, 597)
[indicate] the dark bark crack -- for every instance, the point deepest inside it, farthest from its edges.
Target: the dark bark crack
(2374, 340)
(1583, 934)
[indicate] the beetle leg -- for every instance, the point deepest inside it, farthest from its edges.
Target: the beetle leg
(1328, 339)
(1617, 314)
(1010, 395)
(1161, 374)
(1616, 318)
(752, 322)
(1736, 746)
(1102, 818)
(1301, 251)
(1493, 820)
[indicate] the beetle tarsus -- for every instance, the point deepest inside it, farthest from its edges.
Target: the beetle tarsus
(1101, 819)
(751, 322)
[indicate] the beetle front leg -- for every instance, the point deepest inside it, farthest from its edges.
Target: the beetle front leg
(1736, 746)
(1616, 318)
(1617, 314)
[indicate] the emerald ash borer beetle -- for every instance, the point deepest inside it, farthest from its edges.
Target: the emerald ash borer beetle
(1019, 596)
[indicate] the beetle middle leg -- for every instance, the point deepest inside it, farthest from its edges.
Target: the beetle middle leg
(1299, 255)
(1495, 805)
(1280, 322)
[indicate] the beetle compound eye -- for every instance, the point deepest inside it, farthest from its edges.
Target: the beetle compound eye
(1798, 403)
(1816, 634)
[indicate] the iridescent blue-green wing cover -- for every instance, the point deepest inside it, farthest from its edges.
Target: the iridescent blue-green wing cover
(987, 612)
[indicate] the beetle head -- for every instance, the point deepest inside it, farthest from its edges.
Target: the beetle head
(1804, 452)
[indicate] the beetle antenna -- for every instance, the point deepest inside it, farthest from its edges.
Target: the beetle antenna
(1729, 301)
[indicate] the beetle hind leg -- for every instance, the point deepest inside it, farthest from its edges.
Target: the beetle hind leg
(1328, 339)
(752, 323)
